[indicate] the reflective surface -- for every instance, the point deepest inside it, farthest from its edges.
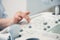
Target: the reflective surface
(32, 39)
(56, 29)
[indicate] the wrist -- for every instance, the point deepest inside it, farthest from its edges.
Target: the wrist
(17, 20)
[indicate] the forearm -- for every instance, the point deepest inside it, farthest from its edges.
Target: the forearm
(4, 22)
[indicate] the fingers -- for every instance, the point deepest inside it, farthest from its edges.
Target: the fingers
(20, 15)
(27, 18)
(17, 19)
(25, 14)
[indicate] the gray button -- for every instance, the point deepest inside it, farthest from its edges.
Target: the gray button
(59, 20)
(48, 26)
(30, 26)
(45, 29)
(45, 23)
(56, 21)
(21, 30)
(53, 13)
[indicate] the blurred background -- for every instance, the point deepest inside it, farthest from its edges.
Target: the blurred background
(34, 6)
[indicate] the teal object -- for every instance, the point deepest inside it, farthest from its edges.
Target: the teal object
(56, 29)
(14, 31)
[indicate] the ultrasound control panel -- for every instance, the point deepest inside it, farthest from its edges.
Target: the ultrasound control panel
(43, 26)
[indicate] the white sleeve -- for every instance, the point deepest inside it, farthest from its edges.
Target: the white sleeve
(2, 11)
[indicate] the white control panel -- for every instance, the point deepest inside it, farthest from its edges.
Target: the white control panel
(43, 26)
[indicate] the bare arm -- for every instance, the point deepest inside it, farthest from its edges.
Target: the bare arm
(4, 22)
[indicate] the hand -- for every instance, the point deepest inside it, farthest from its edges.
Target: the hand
(20, 15)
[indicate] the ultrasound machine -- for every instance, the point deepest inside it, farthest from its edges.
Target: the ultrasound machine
(43, 26)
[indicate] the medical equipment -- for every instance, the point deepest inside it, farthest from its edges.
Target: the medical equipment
(40, 29)
(43, 26)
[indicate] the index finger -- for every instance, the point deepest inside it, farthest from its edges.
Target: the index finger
(27, 13)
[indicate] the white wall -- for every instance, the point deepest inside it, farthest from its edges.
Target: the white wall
(12, 6)
(33, 6)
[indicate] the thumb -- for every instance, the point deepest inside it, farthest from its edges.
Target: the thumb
(26, 13)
